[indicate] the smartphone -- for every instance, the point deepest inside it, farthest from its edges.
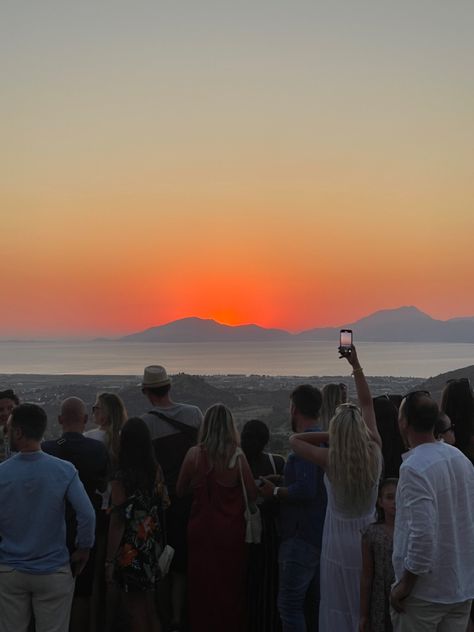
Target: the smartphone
(345, 339)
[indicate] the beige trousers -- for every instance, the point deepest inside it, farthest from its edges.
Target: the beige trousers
(424, 616)
(48, 597)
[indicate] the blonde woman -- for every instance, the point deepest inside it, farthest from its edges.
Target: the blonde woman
(352, 465)
(216, 529)
(109, 415)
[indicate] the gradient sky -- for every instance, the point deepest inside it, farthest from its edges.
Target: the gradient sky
(292, 164)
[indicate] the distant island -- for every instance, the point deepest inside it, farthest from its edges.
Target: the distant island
(404, 324)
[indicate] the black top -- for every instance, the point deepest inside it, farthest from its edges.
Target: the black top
(90, 458)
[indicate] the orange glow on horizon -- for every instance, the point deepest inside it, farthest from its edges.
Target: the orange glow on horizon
(199, 163)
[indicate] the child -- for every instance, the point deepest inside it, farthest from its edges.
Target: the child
(377, 570)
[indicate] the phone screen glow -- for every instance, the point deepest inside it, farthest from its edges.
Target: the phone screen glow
(346, 338)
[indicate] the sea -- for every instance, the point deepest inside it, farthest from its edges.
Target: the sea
(298, 358)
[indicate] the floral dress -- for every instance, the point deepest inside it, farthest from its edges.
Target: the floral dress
(136, 563)
(381, 546)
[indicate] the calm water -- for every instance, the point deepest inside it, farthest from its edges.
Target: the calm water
(268, 358)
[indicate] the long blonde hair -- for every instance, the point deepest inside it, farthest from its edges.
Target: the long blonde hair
(218, 435)
(116, 414)
(332, 398)
(354, 460)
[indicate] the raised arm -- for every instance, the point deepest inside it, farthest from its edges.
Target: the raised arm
(307, 445)
(363, 393)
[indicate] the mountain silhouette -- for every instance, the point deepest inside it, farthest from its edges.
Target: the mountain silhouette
(404, 324)
(206, 330)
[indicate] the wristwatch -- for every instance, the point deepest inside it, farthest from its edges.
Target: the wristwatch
(275, 491)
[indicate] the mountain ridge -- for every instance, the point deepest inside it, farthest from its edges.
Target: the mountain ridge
(402, 324)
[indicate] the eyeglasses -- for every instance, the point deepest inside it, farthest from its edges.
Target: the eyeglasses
(448, 429)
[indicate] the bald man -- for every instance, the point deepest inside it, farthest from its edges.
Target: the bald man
(91, 460)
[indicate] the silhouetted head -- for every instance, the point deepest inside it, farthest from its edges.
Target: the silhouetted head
(136, 457)
(396, 399)
(27, 425)
(386, 499)
(458, 403)
(333, 395)
(218, 434)
(254, 437)
(110, 415)
(444, 429)
(418, 415)
(354, 460)
(8, 401)
(156, 382)
(386, 415)
(73, 415)
(305, 406)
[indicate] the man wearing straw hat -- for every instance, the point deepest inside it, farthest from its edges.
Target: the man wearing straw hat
(174, 429)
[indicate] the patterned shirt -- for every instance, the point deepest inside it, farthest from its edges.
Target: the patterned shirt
(4, 444)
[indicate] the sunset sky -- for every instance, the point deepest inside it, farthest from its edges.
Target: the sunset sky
(287, 163)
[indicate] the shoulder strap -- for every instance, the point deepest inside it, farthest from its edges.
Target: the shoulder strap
(272, 462)
(179, 425)
(244, 490)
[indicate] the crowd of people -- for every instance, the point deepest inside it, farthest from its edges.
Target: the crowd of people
(147, 524)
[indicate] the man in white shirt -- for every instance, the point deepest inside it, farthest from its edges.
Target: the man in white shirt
(433, 549)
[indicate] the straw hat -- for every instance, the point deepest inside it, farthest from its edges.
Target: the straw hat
(155, 376)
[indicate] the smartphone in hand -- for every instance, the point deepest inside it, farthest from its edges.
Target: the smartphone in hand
(345, 341)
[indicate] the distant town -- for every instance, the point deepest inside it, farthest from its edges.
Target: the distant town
(249, 396)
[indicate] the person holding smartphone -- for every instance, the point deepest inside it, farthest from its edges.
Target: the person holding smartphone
(352, 464)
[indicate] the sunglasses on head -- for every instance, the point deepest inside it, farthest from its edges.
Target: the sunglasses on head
(460, 380)
(348, 405)
(8, 394)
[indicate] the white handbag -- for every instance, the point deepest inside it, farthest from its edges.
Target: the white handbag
(165, 559)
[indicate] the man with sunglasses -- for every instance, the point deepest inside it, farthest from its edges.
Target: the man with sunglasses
(433, 549)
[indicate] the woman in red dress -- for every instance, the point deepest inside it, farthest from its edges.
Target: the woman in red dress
(216, 529)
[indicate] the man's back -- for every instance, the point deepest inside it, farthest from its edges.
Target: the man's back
(33, 489)
(171, 443)
(88, 456)
(434, 525)
(303, 515)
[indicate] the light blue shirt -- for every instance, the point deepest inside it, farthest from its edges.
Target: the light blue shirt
(34, 487)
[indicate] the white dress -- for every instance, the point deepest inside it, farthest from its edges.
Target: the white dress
(341, 565)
